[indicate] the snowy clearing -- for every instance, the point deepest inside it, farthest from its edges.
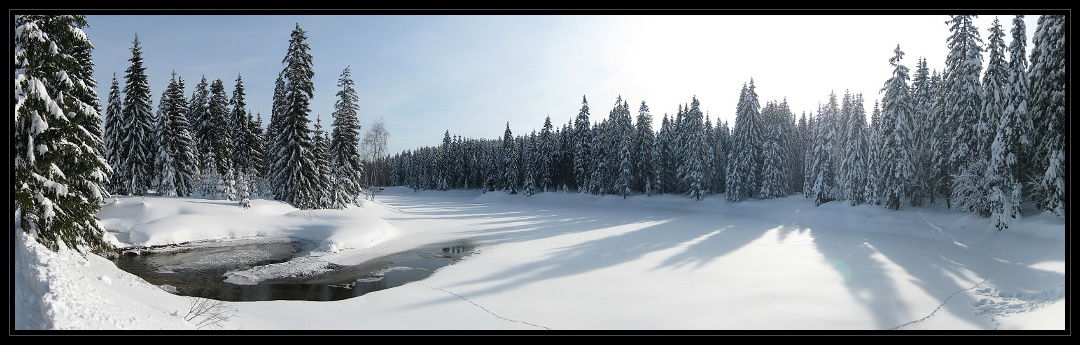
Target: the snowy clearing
(565, 262)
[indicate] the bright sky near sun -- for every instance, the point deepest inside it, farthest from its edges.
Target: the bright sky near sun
(472, 73)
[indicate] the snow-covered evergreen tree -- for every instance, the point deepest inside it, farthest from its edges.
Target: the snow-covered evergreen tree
(546, 156)
(294, 157)
(1048, 78)
(853, 164)
(581, 151)
(693, 172)
(1002, 185)
(138, 127)
(242, 190)
(774, 153)
(896, 126)
(239, 129)
(743, 169)
(324, 193)
(921, 135)
(59, 172)
(218, 131)
(962, 88)
(874, 171)
(1017, 107)
(641, 150)
(111, 137)
(345, 162)
(1012, 141)
(509, 168)
(823, 157)
(176, 157)
(528, 159)
(198, 115)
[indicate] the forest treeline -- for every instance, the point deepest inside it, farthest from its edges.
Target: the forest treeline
(983, 141)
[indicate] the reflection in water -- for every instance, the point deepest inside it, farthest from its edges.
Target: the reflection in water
(198, 271)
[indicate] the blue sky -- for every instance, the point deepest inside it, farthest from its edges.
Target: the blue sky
(471, 74)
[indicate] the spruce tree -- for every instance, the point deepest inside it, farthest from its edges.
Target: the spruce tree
(528, 159)
(694, 160)
(111, 137)
(823, 178)
(177, 155)
(641, 150)
(581, 151)
(509, 168)
(546, 156)
(1002, 185)
(198, 118)
(1048, 77)
(921, 136)
(59, 172)
(896, 110)
(294, 159)
(743, 169)
(345, 162)
(962, 88)
(772, 178)
(239, 129)
(324, 193)
(856, 149)
(137, 141)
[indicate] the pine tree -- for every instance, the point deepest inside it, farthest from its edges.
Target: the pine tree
(273, 171)
(921, 135)
(963, 67)
(694, 162)
(546, 156)
(198, 118)
(239, 129)
(111, 138)
(872, 191)
(896, 110)
(743, 168)
(1017, 107)
(528, 159)
(59, 173)
(257, 175)
(854, 165)
(823, 173)
(137, 140)
(939, 181)
(294, 145)
(345, 161)
(1011, 136)
(772, 178)
(1003, 187)
(509, 168)
(1048, 77)
(581, 151)
(218, 128)
(176, 158)
(324, 193)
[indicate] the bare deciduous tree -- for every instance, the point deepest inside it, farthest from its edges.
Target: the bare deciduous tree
(205, 312)
(374, 143)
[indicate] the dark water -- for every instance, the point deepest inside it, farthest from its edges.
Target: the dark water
(198, 271)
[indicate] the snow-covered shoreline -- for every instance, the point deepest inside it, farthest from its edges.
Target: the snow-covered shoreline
(567, 261)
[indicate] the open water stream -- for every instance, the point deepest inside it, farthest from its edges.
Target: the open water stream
(198, 270)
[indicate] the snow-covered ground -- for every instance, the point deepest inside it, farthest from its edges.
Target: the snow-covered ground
(565, 261)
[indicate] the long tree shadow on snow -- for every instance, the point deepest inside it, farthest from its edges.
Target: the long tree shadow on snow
(634, 233)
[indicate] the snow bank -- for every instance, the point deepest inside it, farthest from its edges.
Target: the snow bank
(155, 221)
